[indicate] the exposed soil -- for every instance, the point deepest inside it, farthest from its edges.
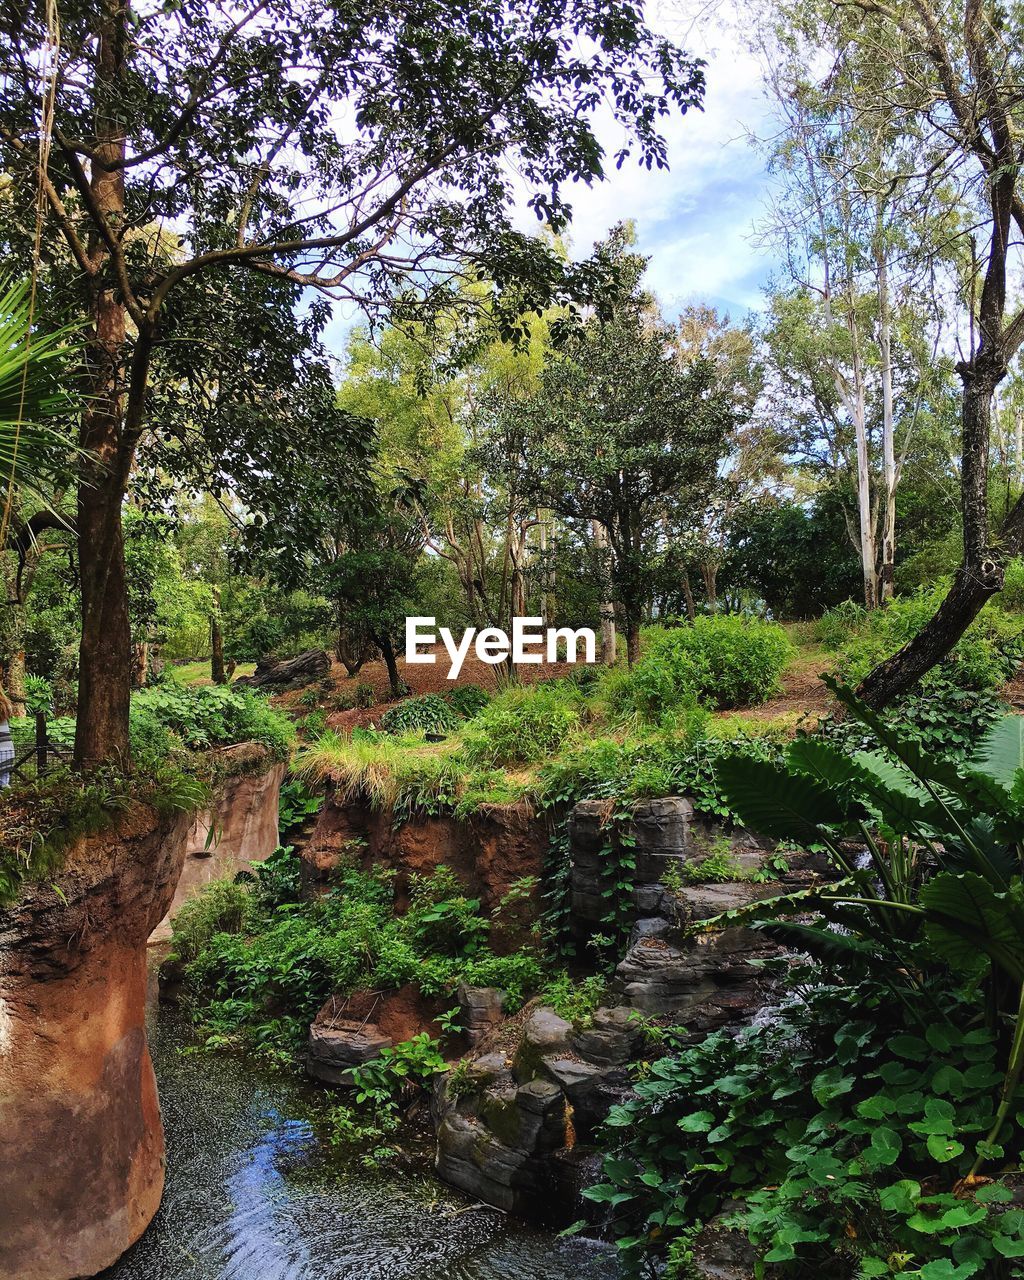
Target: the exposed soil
(802, 694)
(421, 678)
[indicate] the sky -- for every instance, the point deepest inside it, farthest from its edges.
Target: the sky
(696, 220)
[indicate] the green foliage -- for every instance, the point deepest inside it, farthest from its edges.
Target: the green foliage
(38, 696)
(987, 655)
(39, 819)
(576, 1001)
(298, 802)
(840, 1136)
(724, 660)
(207, 716)
(428, 714)
(261, 987)
(220, 908)
(524, 724)
(717, 866)
(413, 1062)
(468, 700)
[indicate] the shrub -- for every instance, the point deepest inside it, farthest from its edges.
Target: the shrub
(724, 660)
(220, 908)
(428, 714)
(468, 700)
(836, 1135)
(524, 724)
(987, 655)
(211, 715)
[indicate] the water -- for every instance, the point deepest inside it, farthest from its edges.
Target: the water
(253, 1195)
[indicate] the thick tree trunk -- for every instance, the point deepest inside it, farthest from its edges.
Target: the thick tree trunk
(104, 671)
(632, 642)
(970, 589)
(216, 642)
(104, 679)
(709, 572)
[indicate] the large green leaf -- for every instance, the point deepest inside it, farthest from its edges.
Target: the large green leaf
(1000, 754)
(769, 799)
(966, 918)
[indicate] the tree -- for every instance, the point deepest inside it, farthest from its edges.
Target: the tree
(618, 433)
(959, 108)
(361, 153)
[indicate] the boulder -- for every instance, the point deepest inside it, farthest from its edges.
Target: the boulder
(482, 1011)
(288, 673)
(333, 1050)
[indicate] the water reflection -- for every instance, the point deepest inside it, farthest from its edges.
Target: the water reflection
(251, 1195)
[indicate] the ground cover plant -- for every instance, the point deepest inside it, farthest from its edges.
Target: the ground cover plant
(884, 1137)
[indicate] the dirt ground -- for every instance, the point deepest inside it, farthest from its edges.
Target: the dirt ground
(421, 678)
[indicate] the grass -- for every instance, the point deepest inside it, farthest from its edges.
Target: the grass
(199, 672)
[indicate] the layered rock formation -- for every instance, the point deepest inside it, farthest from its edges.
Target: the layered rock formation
(82, 1168)
(240, 828)
(489, 852)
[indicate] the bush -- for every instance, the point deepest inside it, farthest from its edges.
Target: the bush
(987, 655)
(726, 661)
(428, 714)
(206, 716)
(524, 724)
(220, 908)
(468, 700)
(836, 1139)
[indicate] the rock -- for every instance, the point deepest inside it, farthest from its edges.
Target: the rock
(82, 1170)
(288, 673)
(611, 1037)
(701, 984)
(543, 1033)
(244, 823)
(722, 1253)
(332, 1051)
(482, 1010)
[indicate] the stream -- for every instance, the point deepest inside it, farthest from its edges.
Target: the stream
(253, 1194)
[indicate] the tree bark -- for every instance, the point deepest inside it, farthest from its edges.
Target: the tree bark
(632, 642)
(887, 570)
(104, 680)
(980, 576)
(691, 606)
(606, 608)
(398, 686)
(217, 674)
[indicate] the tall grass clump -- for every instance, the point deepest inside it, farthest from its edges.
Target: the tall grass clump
(722, 661)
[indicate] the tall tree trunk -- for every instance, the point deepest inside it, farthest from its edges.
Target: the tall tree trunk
(709, 573)
(691, 606)
(104, 680)
(980, 576)
(398, 686)
(609, 649)
(888, 561)
(216, 642)
(1018, 447)
(632, 641)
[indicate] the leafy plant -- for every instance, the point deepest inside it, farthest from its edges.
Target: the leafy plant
(724, 660)
(414, 1062)
(428, 714)
(843, 1142)
(524, 724)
